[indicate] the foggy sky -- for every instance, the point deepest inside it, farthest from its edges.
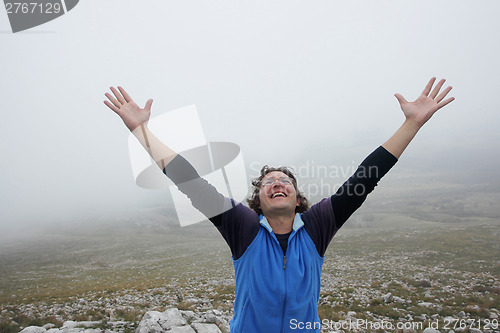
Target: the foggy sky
(288, 81)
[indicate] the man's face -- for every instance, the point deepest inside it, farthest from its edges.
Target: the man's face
(277, 194)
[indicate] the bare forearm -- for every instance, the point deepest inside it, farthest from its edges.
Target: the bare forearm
(136, 120)
(159, 152)
(402, 138)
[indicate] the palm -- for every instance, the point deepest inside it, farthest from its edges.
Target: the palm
(131, 114)
(422, 109)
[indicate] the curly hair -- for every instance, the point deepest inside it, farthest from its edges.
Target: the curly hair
(254, 200)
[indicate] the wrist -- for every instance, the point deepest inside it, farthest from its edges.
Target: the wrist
(411, 125)
(139, 129)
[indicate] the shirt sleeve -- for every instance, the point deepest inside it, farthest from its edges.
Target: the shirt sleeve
(237, 223)
(324, 219)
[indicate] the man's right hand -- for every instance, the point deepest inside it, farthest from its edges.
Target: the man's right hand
(131, 114)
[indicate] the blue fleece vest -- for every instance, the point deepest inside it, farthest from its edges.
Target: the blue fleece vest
(277, 293)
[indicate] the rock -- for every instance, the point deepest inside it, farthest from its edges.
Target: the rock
(217, 312)
(209, 318)
(189, 315)
(409, 330)
(493, 315)
(388, 298)
(69, 324)
(490, 326)
(85, 324)
(430, 330)
(88, 324)
(426, 304)
(223, 324)
(48, 326)
(461, 314)
(475, 330)
(34, 329)
(206, 328)
(117, 323)
(425, 283)
(351, 314)
(192, 300)
(157, 322)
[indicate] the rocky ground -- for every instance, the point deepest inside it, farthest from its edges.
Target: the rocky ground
(428, 278)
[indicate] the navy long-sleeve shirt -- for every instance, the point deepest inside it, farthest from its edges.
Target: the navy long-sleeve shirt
(240, 226)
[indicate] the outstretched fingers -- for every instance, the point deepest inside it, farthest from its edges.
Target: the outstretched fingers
(113, 100)
(443, 94)
(117, 100)
(445, 102)
(126, 96)
(428, 87)
(437, 88)
(439, 99)
(118, 96)
(112, 107)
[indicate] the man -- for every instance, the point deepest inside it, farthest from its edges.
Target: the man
(278, 244)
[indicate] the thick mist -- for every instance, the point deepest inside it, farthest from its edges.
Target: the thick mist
(290, 82)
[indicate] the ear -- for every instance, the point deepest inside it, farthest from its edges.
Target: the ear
(298, 202)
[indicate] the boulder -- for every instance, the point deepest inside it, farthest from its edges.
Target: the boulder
(34, 329)
(159, 322)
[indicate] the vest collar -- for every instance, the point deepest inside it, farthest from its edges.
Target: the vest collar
(297, 223)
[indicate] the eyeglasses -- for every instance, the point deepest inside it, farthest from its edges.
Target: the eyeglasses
(283, 181)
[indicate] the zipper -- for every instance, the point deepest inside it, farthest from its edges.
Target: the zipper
(282, 328)
(284, 297)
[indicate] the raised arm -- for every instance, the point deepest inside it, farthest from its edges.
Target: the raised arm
(136, 120)
(417, 113)
(237, 223)
(351, 195)
(354, 191)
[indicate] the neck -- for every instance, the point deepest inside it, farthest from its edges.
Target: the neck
(281, 224)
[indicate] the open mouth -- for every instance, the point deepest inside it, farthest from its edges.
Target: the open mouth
(278, 195)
